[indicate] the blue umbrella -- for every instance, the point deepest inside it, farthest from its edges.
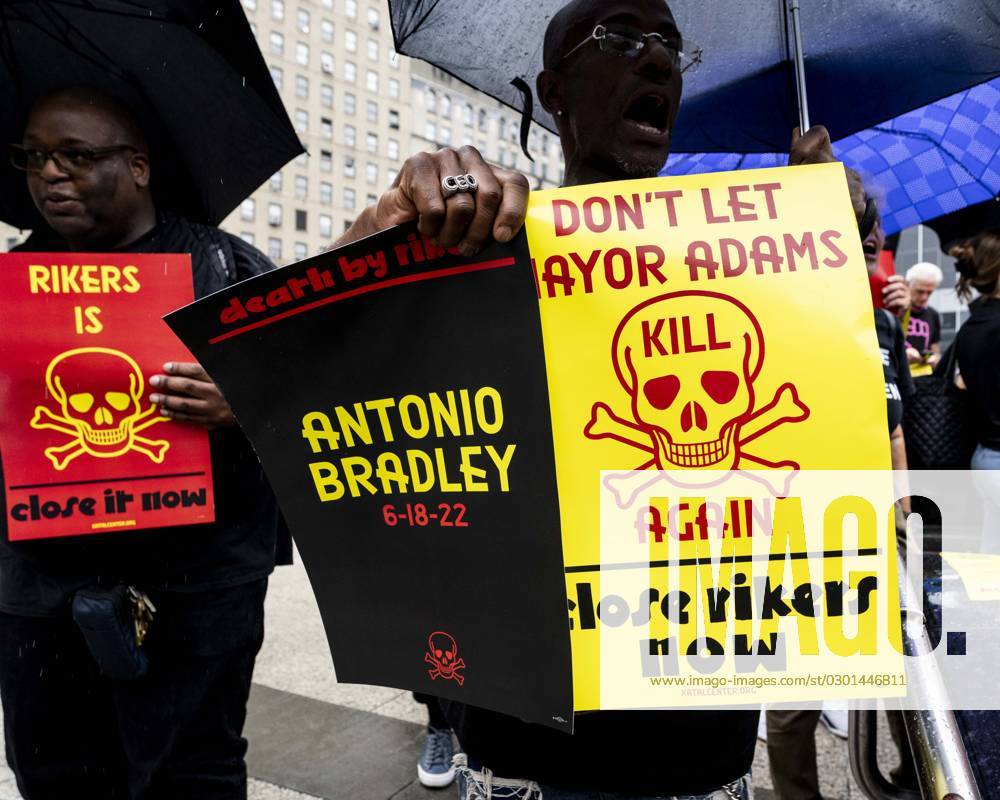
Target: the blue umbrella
(921, 164)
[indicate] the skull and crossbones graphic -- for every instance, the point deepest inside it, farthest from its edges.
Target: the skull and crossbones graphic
(689, 361)
(100, 396)
(442, 654)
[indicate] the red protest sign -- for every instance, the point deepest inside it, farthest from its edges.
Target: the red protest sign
(83, 449)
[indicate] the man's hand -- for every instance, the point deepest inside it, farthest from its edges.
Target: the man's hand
(187, 394)
(465, 220)
(816, 148)
(896, 295)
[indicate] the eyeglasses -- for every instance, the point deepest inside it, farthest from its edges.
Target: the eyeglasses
(629, 43)
(71, 160)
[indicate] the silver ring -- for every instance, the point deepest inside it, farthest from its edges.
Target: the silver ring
(453, 184)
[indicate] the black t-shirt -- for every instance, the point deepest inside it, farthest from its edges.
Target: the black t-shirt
(978, 344)
(924, 329)
(38, 578)
(898, 383)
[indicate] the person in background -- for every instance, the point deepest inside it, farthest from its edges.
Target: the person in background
(978, 353)
(923, 335)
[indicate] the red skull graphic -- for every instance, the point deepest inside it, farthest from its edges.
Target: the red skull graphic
(442, 655)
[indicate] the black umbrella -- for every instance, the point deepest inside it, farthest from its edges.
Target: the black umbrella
(190, 70)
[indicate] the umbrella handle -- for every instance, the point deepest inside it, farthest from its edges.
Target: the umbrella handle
(792, 9)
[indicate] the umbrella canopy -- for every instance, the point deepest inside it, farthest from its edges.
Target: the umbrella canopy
(865, 60)
(920, 165)
(190, 70)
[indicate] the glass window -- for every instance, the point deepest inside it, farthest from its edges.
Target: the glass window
(445, 106)
(300, 219)
(250, 4)
(372, 50)
(350, 104)
(373, 20)
(277, 9)
(278, 77)
(394, 119)
(350, 41)
(248, 209)
(275, 182)
(351, 8)
(371, 81)
(325, 225)
(246, 236)
(326, 95)
(350, 71)
(350, 199)
(430, 100)
(393, 88)
(302, 53)
(445, 134)
(301, 120)
(372, 111)
(467, 114)
(392, 148)
(371, 199)
(482, 119)
(349, 170)
(326, 193)
(325, 160)
(350, 135)
(371, 172)
(302, 20)
(371, 142)
(391, 176)
(301, 187)
(430, 131)
(277, 43)
(300, 251)
(274, 214)
(545, 144)
(302, 160)
(301, 86)
(326, 127)
(393, 58)
(503, 127)
(326, 62)
(274, 248)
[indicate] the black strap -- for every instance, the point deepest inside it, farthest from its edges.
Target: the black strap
(527, 110)
(867, 221)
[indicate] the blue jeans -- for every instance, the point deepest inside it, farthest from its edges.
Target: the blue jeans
(475, 785)
(987, 481)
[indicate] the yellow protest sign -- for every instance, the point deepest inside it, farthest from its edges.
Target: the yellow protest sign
(710, 322)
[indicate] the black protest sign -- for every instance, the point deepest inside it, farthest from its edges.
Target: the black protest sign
(395, 393)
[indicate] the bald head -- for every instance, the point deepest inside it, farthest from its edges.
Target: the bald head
(118, 122)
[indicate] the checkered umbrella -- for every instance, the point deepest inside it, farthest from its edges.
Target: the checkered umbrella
(920, 165)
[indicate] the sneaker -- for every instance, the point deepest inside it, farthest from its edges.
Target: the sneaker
(835, 721)
(434, 768)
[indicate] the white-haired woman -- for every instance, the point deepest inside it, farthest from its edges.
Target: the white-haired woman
(923, 336)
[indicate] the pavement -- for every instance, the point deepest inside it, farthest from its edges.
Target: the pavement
(312, 737)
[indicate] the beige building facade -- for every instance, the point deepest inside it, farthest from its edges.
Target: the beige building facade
(360, 109)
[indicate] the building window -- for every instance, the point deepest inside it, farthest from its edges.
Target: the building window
(394, 119)
(300, 219)
(278, 9)
(373, 20)
(248, 209)
(371, 81)
(246, 236)
(372, 50)
(503, 128)
(301, 86)
(482, 119)
(326, 30)
(393, 58)
(350, 41)
(326, 193)
(302, 53)
(350, 136)
(278, 77)
(430, 131)
(350, 71)
(326, 95)
(302, 20)
(430, 100)
(372, 111)
(350, 199)
(275, 182)
(274, 214)
(250, 5)
(392, 149)
(325, 225)
(349, 170)
(326, 62)
(545, 144)
(325, 160)
(350, 104)
(274, 248)
(371, 172)
(445, 134)
(301, 187)
(351, 8)
(371, 142)
(371, 199)
(326, 127)
(445, 106)
(300, 251)
(301, 120)
(393, 88)
(302, 160)
(391, 176)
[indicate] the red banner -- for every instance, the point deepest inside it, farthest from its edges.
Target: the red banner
(84, 451)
